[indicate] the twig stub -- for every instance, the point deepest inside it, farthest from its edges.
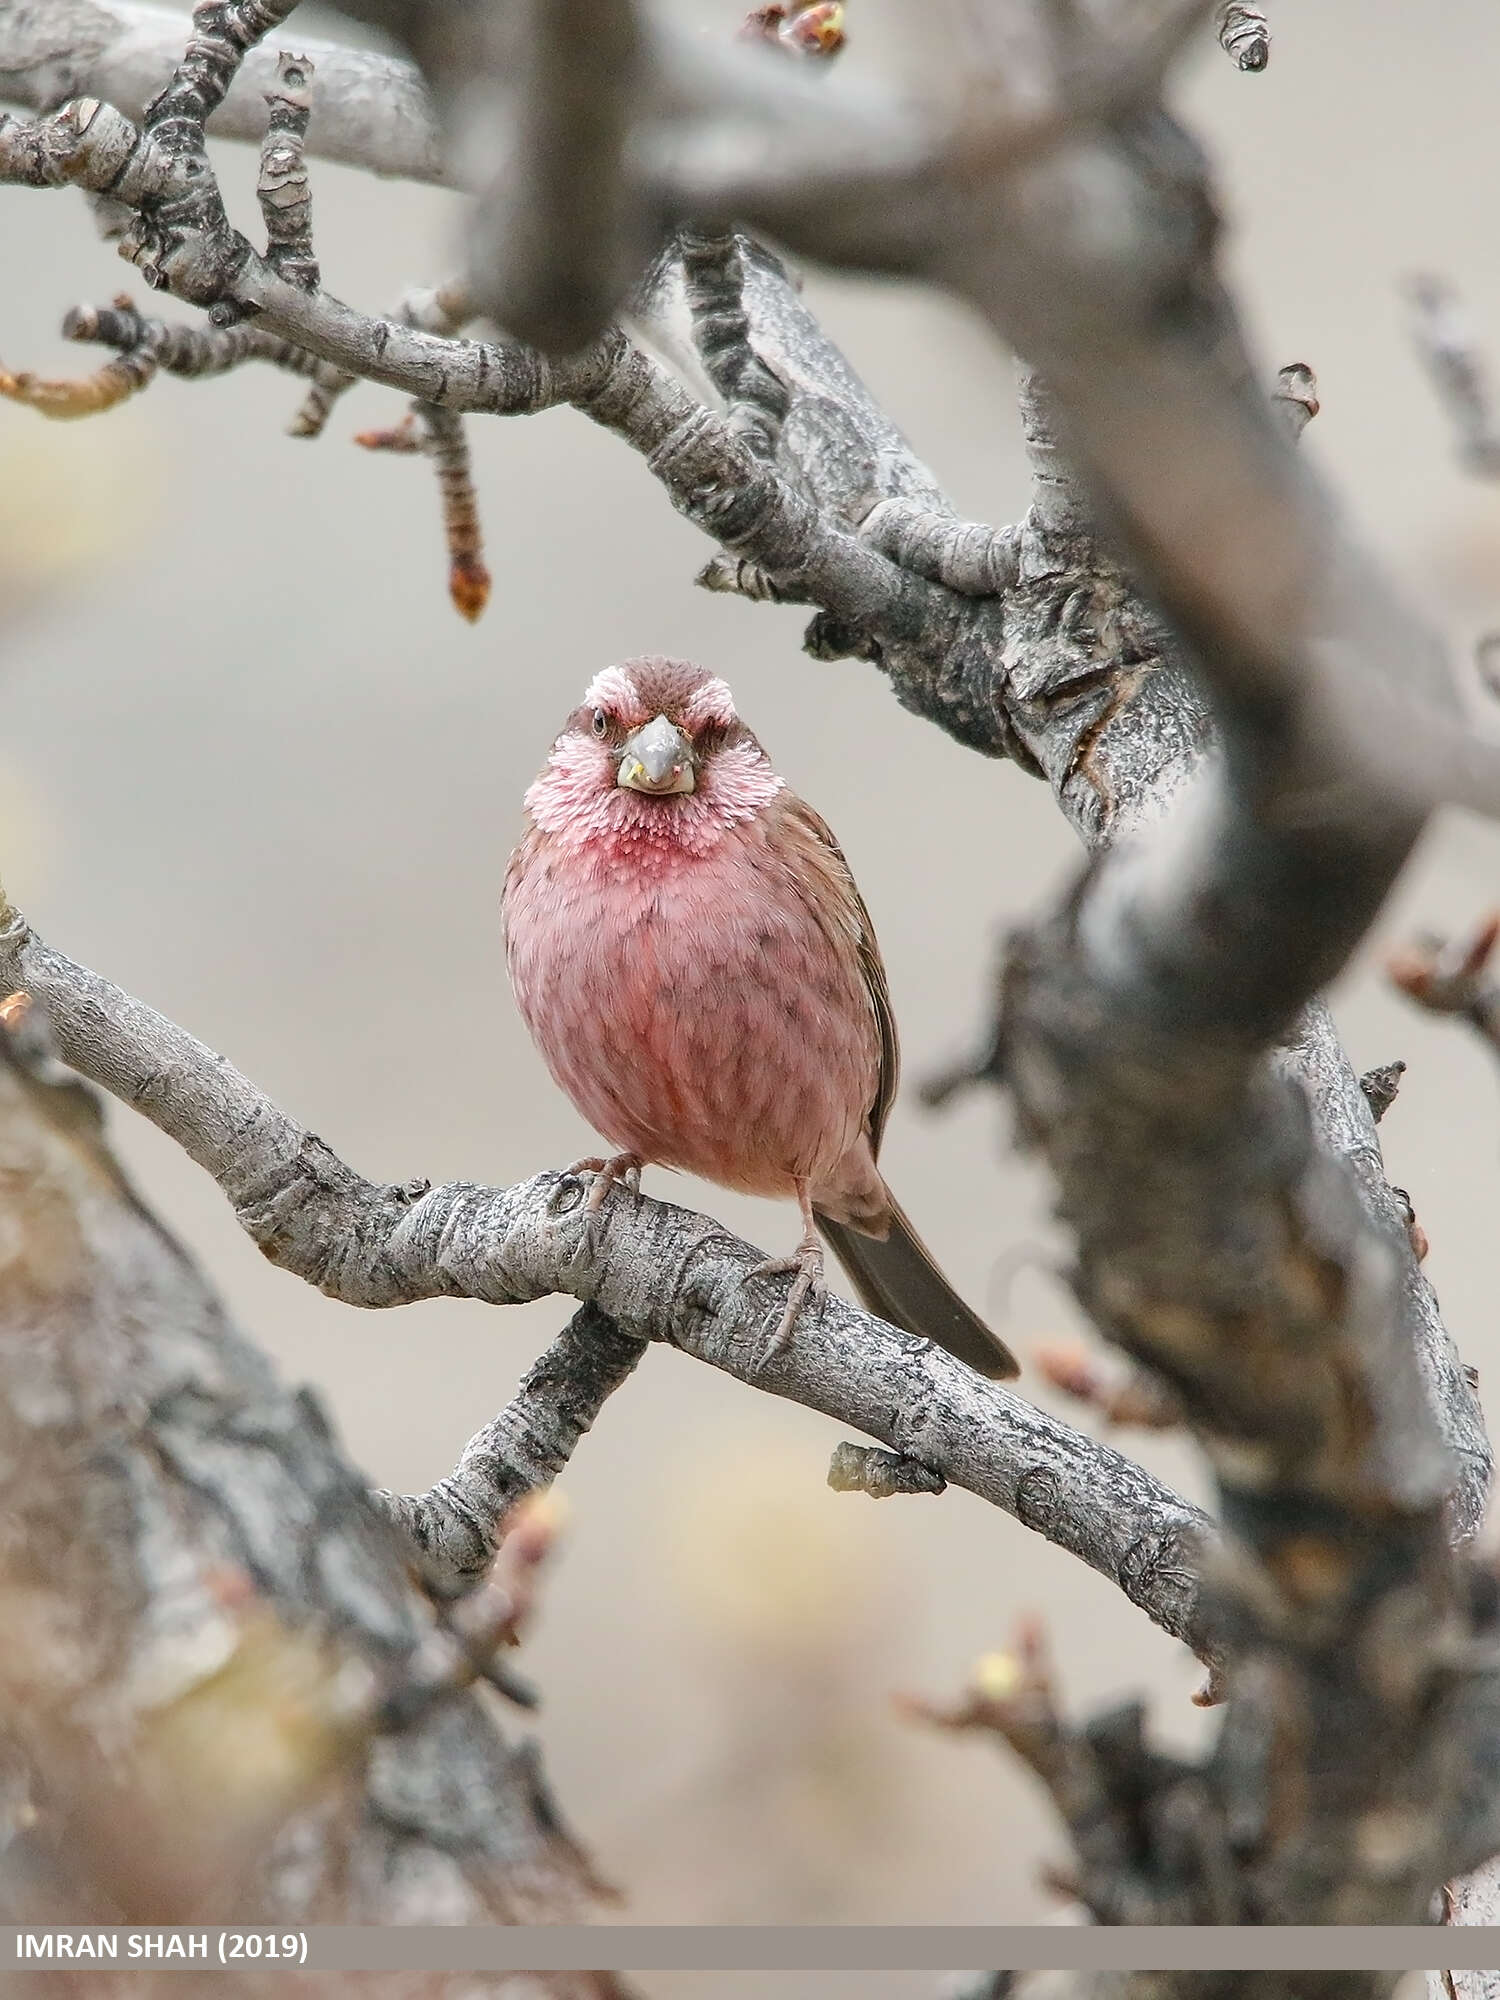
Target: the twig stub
(863, 1468)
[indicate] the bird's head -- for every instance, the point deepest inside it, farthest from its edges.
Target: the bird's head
(654, 747)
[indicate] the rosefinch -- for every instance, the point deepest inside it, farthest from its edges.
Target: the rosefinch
(688, 949)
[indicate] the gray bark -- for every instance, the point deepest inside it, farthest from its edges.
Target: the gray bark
(1242, 719)
(376, 1246)
(368, 110)
(221, 1688)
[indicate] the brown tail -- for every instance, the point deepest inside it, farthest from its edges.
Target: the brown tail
(897, 1279)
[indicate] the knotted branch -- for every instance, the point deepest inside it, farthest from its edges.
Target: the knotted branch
(228, 1690)
(656, 1271)
(1160, 1035)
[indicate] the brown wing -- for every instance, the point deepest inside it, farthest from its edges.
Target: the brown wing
(827, 860)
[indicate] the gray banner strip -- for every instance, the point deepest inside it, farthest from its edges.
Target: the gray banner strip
(831, 1948)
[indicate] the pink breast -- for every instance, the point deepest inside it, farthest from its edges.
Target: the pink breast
(692, 1007)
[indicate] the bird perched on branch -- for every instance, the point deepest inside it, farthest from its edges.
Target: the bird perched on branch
(688, 949)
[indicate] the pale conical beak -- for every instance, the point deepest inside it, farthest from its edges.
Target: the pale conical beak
(657, 759)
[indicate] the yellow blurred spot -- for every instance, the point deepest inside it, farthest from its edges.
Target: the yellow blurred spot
(765, 1557)
(996, 1676)
(533, 1527)
(549, 1507)
(71, 498)
(238, 1750)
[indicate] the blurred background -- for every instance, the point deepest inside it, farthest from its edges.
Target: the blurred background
(254, 767)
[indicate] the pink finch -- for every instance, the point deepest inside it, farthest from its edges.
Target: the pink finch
(693, 960)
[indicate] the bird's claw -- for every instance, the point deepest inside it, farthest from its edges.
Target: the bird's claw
(618, 1167)
(808, 1283)
(624, 1167)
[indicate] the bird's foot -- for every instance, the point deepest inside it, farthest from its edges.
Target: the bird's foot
(618, 1167)
(607, 1173)
(806, 1261)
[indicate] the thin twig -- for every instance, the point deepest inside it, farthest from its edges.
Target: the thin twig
(282, 187)
(1243, 33)
(757, 399)
(1449, 350)
(1454, 977)
(860, 1468)
(1380, 1087)
(1136, 1401)
(459, 1524)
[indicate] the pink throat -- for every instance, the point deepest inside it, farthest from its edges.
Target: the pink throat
(577, 800)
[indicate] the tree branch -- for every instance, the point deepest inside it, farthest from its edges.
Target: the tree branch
(656, 1271)
(713, 269)
(223, 1690)
(1218, 1244)
(1449, 351)
(1084, 691)
(1087, 1774)
(940, 639)
(458, 1524)
(1160, 1034)
(282, 188)
(1454, 978)
(1243, 33)
(556, 238)
(368, 111)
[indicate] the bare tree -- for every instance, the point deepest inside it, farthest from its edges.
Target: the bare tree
(1244, 722)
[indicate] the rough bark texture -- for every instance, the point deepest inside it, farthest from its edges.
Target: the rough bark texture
(374, 1245)
(218, 1677)
(1236, 711)
(368, 111)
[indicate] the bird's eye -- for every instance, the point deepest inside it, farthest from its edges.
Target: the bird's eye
(601, 722)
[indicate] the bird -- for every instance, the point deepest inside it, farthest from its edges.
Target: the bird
(689, 952)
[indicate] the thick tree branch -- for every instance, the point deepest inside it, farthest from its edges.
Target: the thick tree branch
(1087, 695)
(1220, 1245)
(557, 236)
(368, 110)
(1291, 861)
(713, 473)
(226, 1691)
(656, 1271)
(1267, 733)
